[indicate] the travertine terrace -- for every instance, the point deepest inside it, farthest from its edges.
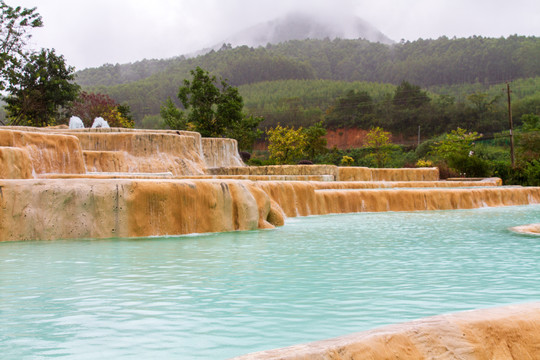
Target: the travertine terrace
(100, 183)
(509, 332)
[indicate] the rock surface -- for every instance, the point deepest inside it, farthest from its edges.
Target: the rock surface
(532, 229)
(100, 208)
(510, 332)
(63, 183)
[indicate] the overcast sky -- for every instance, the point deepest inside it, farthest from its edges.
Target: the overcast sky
(91, 33)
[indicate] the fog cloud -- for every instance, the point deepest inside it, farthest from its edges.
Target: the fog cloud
(92, 33)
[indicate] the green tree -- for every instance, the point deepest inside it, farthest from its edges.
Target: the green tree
(246, 132)
(456, 148)
(286, 145)
(43, 88)
(315, 141)
(14, 26)
(378, 140)
(152, 122)
(411, 108)
(212, 110)
(457, 142)
(531, 122)
(172, 116)
(125, 113)
(528, 140)
(409, 96)
(355, 109)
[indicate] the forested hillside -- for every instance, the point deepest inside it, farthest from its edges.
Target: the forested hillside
(399, 109)
(456, 67)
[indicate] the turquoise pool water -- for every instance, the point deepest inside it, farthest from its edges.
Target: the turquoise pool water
(220, 295)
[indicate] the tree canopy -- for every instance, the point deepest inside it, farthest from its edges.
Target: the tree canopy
(286, 145)
(41, 90)
(443, 62)
(213, 109)
(15, 24)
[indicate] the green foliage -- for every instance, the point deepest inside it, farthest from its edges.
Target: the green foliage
(212, 110)
(528, 146)
(453, 67)
(409, 96)
(346, 161)
(457, 142)
(527, 174)
(306, 102)
(286, 145)
(470, 166)
(246, 132)
(201, 96)
(457, 150)
(115, 118)
(355, 109)
(378, 140)
(423, 62)
(427, 147)
(15, 23)
(531, 122)
(40, 91)
(125, 113)
(152, 122)
(315, 141)
(532, 172)
(172, 116)
(424, 163)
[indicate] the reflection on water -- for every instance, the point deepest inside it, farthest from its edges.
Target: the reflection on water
(220, 295)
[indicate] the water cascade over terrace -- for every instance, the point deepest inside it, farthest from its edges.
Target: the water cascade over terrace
(59, 183)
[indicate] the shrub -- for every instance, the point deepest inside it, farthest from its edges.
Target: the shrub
(245, 156)
(346, 161)
(424, 163)
(532, 173)
(445, 172)
(470, 166)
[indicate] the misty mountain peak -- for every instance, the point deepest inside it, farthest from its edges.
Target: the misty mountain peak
(301, 26)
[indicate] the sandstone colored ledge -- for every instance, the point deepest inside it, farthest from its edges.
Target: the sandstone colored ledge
(44, 209)
(531, 229)
(339, 173)
(510, 332)
(92, 209)
(27, 152)
(277, 170)
(23, 154)
(326, 181)
(378, 174)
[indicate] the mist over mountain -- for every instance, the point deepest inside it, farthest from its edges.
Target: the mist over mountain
(301, 26)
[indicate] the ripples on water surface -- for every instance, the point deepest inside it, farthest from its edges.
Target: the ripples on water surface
(220, 295)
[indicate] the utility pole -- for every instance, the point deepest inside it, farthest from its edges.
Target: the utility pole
(511, 127)
(418, 135)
